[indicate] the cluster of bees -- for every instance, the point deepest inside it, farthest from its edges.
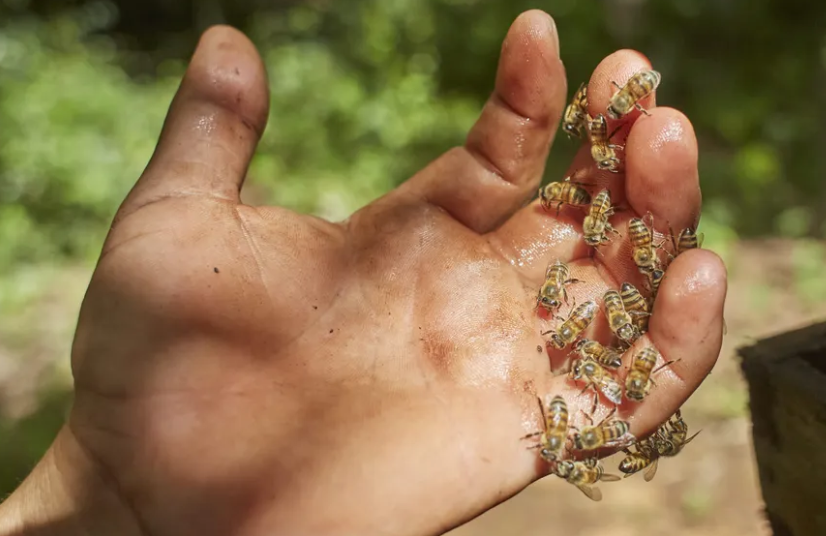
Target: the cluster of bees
(627, 310)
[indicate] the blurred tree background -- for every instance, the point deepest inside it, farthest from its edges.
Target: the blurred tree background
(363, 94)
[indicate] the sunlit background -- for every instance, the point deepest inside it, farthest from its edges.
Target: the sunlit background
(363, 94)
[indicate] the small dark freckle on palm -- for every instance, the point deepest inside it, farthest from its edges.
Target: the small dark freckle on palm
(527, 386)
(315, 307)
(215, 269)
(331, 331)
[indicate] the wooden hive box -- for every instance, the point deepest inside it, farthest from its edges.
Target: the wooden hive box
(787, 391)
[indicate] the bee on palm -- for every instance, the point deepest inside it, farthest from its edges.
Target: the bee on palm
(628, 97)
(639, 380)
(596, 377)
(566, 192)
(595, 226)
(655, 278)
(553, 291)
(553, 438)
(673, 436)
(572, 327)
(619, 320)
(636, 306)
(603, 151)
(643, 249)
(645, 456)
(575, 119)
(604, 355)
(608, 433)
(583, 474)
(687, 239)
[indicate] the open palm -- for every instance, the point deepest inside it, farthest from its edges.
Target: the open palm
(249, 370)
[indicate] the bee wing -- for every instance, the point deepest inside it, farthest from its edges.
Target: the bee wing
(592, 493)
(625, 440)
(608, 477)
(700, 238)
(649, 473)
(611, 389)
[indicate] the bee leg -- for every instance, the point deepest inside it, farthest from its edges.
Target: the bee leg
(541, 410)
(639, 107)
(558, 206)
(590, 419)
(664, 365)
(660, 245)
(616, 85)
(673, 239)
(611, 414)
(530, 436)
(596, 401)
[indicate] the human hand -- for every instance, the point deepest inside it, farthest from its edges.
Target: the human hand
(249, 370)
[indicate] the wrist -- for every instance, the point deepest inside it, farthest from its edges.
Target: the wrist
(65, 494)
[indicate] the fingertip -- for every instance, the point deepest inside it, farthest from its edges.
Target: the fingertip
(688, 315)
(226, 70)
(661, 162)
(540, 25)
(530, 78)
(213, 125)
(617, 67)
(504, 156)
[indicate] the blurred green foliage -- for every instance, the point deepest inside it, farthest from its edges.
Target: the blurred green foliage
(364, 93)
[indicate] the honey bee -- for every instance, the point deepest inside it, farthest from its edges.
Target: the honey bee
(607, 433)
(575, 118)
(673, 436)
(642, 244)
(646, 457)
(564, 192)
(597, 378)
(553, 291)
(578, 321)
(636, 306)
(619, 320)
(638, 382)
(596, 225)
(655, 277)
(583, 474)
(604, 355)
(602, 151)
(687, 239)
(637, 88)
(553, 438)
